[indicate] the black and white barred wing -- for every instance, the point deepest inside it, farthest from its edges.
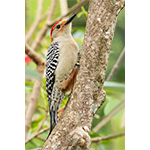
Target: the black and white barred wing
(52, 59)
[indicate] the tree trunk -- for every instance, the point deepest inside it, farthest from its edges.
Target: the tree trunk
(73, 128)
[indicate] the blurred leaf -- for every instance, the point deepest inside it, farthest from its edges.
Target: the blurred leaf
(84, 12)
(38, 106)
(32, 73)
(44, 80)
(96, 146)
(28, 83)
(102, 147)
(78, 40)
(79, 34)
(113, 84)
(108, 91)
(28, 89)
(64, 102)
(30, 145)
(105, 141)
(79, 14)
(111, 106)
(44, 83)
(36, 122)
(93, 134)
(115, 87)
(31, 65)
(43, 94)
(119, 114)
(112, 51)
(74, 29)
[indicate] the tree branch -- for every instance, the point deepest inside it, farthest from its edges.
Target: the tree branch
(115, 67)
(36, 134)
(40, 138)
(33, 55)
(108, 117)
(64, 7)
(99, 139)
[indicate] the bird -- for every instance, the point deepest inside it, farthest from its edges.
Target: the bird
(61, 70)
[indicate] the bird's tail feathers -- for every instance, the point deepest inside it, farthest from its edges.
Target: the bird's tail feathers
(57, 98)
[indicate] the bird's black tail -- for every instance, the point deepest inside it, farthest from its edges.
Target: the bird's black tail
(53, 119)
(57, 98)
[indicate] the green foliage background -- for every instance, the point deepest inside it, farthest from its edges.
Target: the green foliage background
(115, 88)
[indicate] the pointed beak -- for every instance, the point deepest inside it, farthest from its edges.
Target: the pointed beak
(69, 20)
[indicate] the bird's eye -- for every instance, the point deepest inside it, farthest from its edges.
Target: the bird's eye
(58, 26)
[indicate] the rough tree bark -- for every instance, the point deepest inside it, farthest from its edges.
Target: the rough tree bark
(73, 127)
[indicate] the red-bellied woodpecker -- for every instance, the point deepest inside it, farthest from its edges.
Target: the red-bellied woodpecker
(60, 71)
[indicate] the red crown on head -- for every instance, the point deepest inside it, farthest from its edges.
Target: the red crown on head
(52, 30)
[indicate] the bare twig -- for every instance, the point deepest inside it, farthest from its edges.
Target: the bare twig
(33, 55)
(36, 134)
(44, 16)
(40, 127)
(115, 67)
(109, 116)
(98, 139)
(36, 22)
(40, 138)
(45, 27)
(64, 7)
